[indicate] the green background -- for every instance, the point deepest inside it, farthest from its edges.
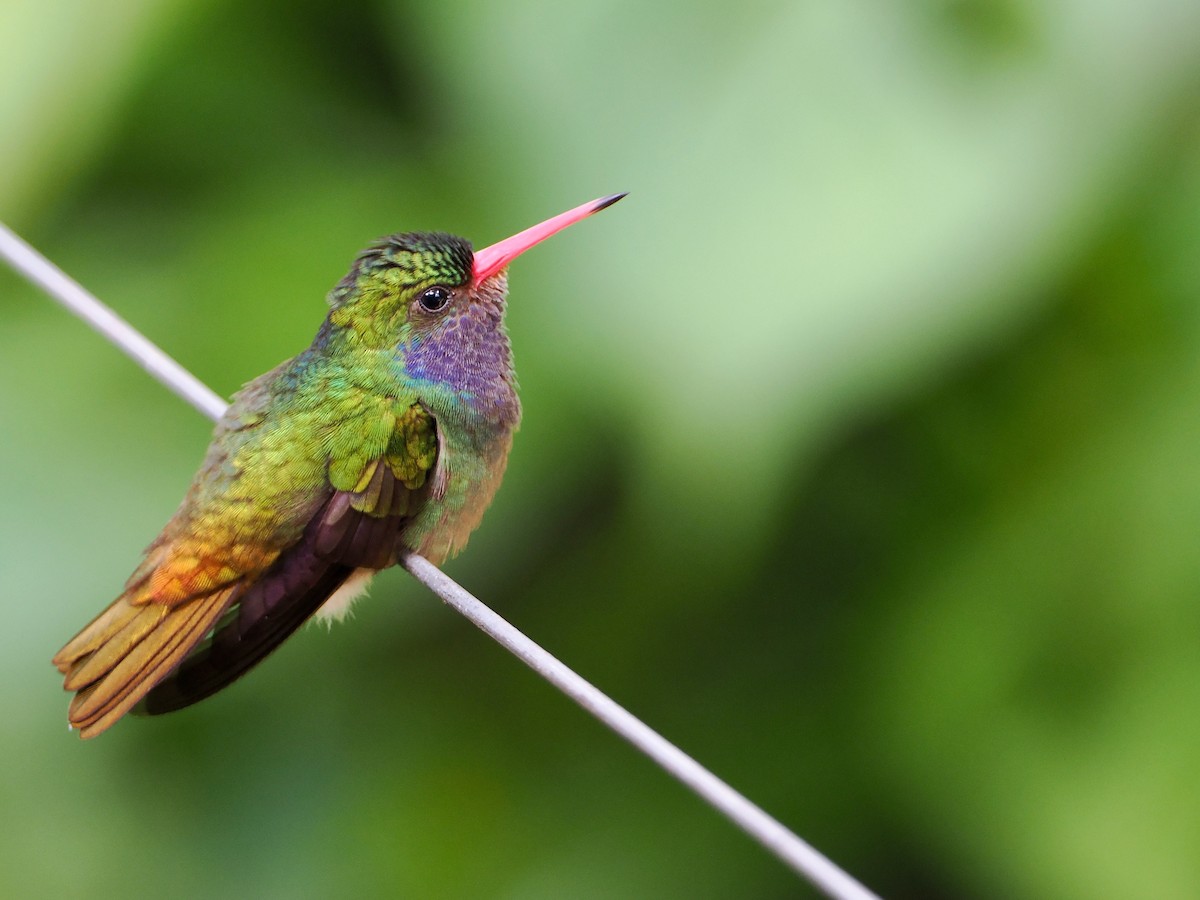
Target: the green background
(860, 453)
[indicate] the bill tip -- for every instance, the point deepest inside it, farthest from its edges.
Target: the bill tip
(606, 202)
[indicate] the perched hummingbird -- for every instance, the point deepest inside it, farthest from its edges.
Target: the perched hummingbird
(390, 432)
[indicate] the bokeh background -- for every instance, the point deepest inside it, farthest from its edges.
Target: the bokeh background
(861, 453)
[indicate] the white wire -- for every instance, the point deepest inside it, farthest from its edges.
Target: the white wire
(754, 821)
(70, 294)
(768, 831)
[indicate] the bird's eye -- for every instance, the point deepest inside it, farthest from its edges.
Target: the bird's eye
(435, 299)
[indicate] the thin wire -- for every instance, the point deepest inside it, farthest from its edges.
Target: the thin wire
(752, 819)
(62, 288)
(796, 853)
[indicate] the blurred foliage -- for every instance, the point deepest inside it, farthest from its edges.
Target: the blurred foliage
(859, 454)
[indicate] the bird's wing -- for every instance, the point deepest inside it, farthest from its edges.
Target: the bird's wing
(247, 568)
(357, 528)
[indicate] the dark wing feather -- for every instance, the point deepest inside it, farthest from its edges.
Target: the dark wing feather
(340, 539)
(150, 644)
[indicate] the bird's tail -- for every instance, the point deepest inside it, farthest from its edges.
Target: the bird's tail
(128, 649)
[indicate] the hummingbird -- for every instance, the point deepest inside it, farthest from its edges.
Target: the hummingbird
(390, 433)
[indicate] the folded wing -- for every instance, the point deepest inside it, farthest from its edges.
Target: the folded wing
(150, 648)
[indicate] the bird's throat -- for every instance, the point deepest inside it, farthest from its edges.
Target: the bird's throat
(468, 358)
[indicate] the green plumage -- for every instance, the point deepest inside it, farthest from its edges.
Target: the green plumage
(389, 433)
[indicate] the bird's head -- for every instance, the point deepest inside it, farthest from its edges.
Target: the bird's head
(408, 289)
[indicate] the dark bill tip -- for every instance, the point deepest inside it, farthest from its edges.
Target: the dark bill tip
(606, 202)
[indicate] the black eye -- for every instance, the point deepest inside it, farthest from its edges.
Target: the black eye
(434, 299)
